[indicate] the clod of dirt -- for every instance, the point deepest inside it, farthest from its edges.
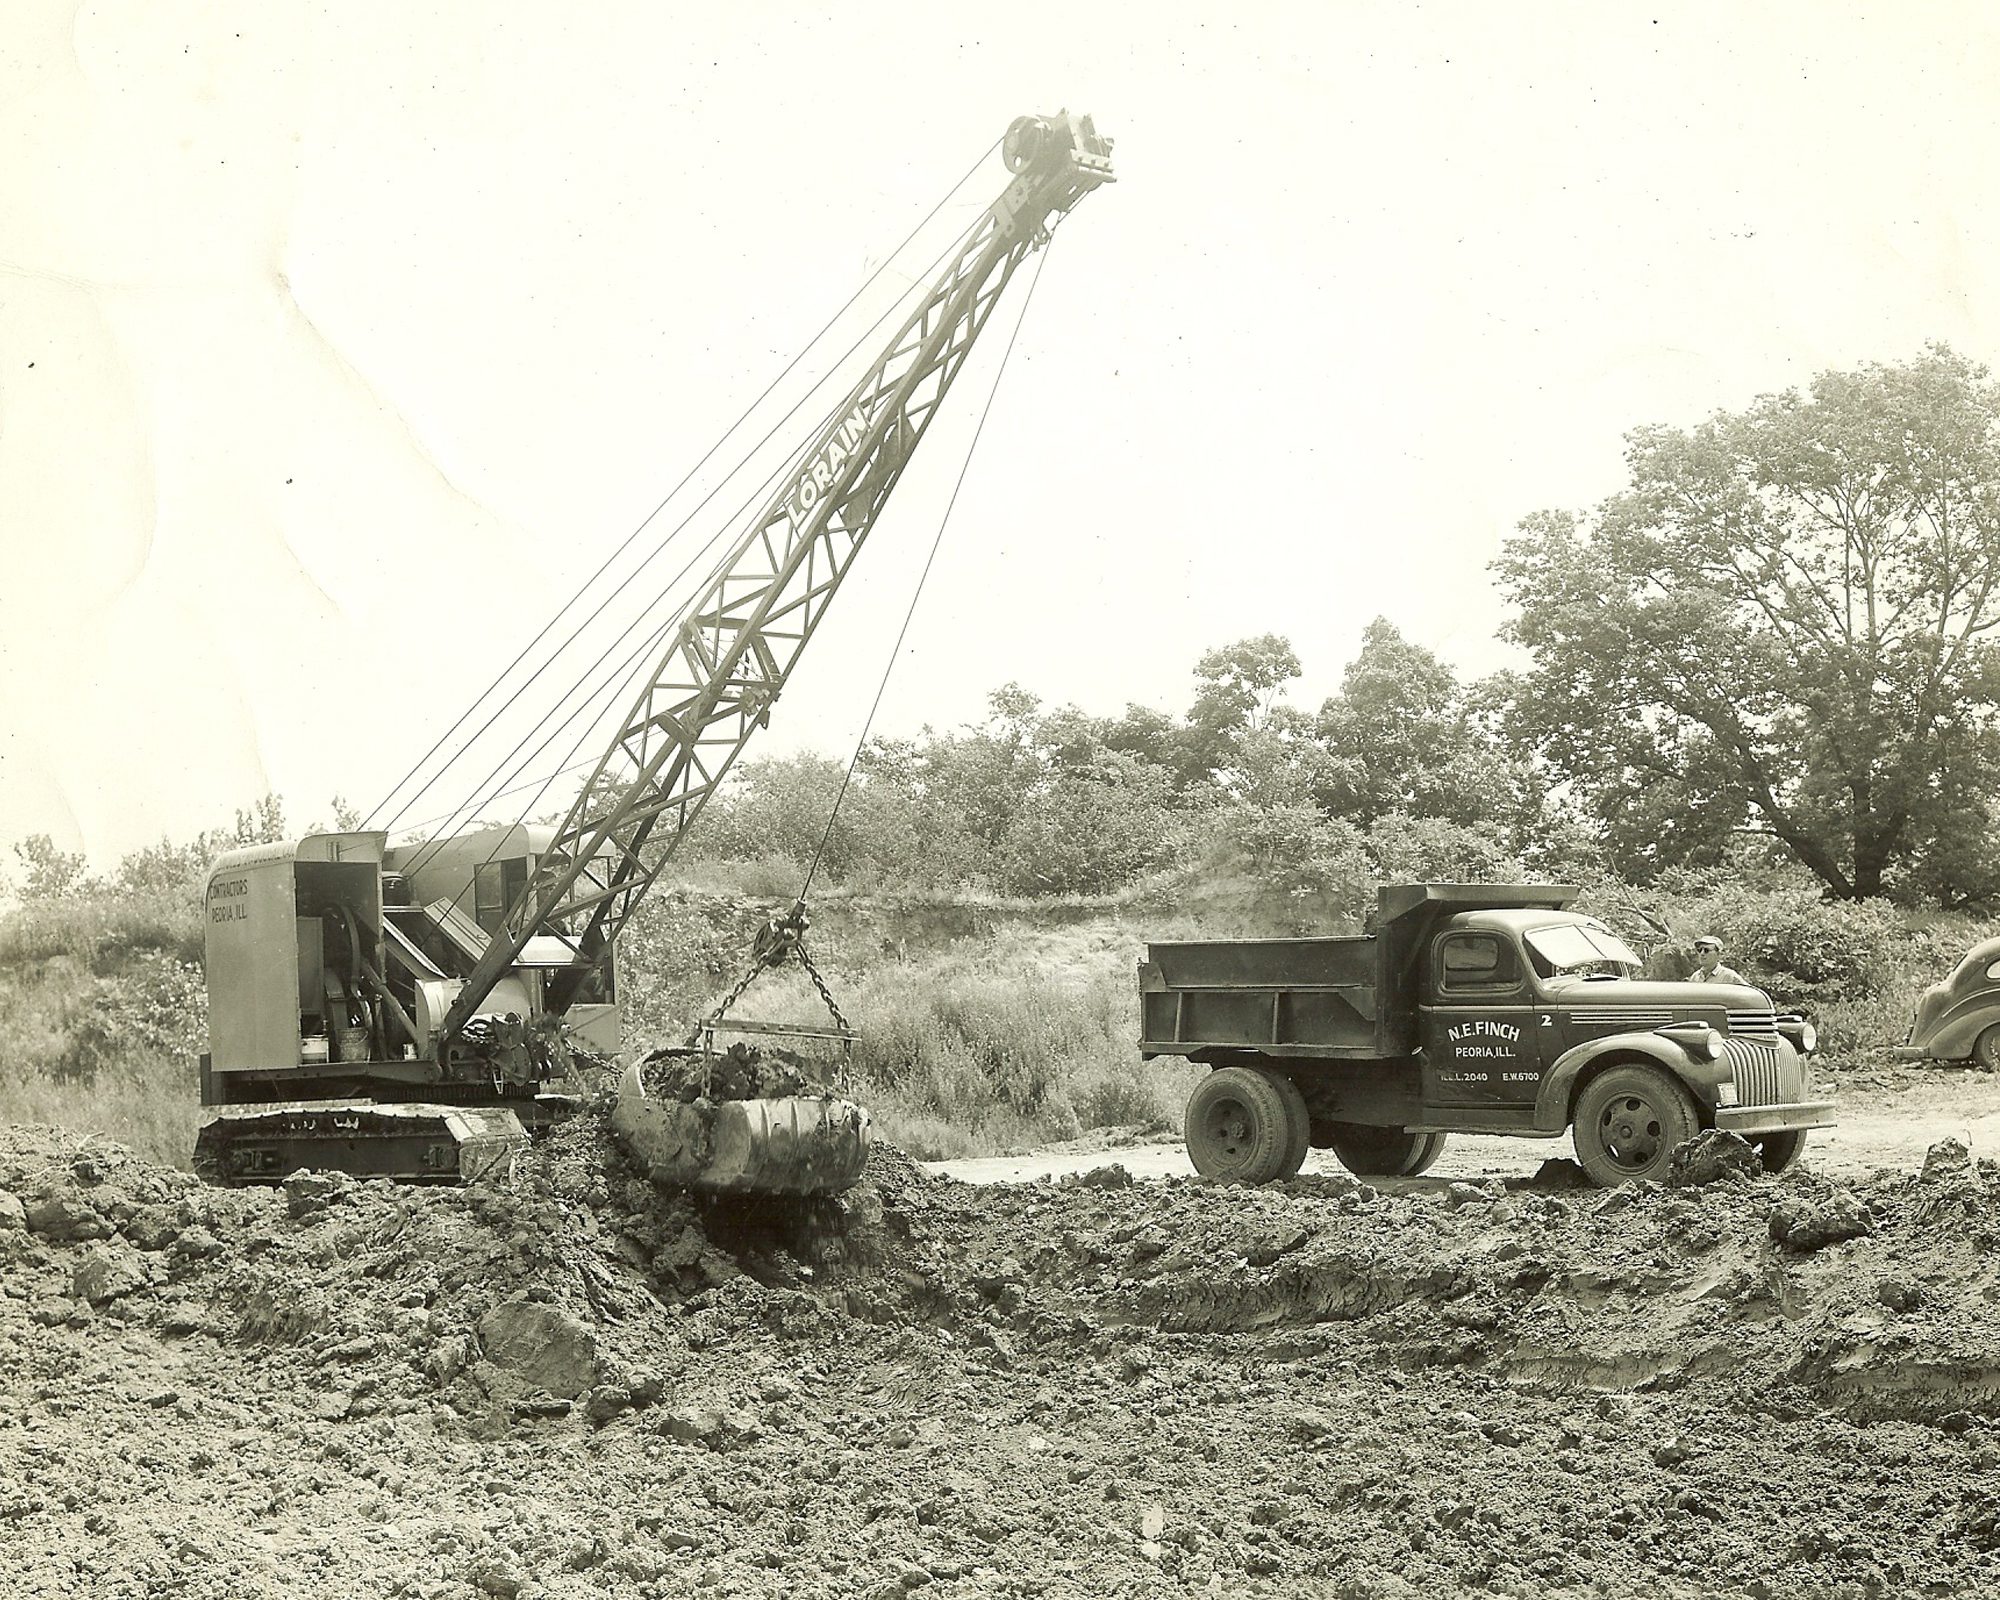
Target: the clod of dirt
(66, 1218)
(739, 1073)
(1714, 1155)
(1560, 1172)
(1952, 1185)
(109, 1272)
(542, 1347)
(1947, 1160)
(1805, 1223)
(1899, 1294)
(307, 1192)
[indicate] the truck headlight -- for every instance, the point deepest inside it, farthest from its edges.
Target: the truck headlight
(1712, 1045)
(1803, 1035)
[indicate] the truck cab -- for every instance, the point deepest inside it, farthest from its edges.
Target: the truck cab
(1473, 1008)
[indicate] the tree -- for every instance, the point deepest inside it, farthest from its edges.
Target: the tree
(1404, 735)
(49, 873)
(1236, 688)
(1784, 624)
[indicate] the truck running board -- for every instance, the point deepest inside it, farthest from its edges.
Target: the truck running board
(253, 1144)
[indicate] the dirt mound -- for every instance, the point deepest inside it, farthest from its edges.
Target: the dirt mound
(741, 1072)
(579, 1385)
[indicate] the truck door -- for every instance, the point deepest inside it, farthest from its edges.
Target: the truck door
(1478, 1024)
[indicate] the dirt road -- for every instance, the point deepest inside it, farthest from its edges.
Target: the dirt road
(1888, 1118)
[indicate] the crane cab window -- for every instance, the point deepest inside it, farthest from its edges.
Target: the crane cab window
(1477, 963)
(496, 885)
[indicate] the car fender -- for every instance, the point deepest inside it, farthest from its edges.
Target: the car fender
(1953, 1038)
(1558, 1089)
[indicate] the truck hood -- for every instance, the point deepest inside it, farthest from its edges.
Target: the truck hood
(1582, 992)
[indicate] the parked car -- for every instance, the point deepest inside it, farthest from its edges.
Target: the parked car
(1959, 1018)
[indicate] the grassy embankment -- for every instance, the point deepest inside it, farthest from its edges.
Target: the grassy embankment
(986, 1025)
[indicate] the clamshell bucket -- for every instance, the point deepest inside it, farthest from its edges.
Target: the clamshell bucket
(790, 1144)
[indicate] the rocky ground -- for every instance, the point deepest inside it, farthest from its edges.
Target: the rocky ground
(570, 1385)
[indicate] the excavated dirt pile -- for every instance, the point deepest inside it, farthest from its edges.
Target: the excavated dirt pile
(740, 1072)
(576, 1385)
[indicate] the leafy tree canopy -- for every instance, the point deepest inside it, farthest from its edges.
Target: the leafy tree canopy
(1784, 624)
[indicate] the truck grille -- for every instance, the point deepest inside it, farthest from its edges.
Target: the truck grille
(1755, 1066)
(1755, 1024)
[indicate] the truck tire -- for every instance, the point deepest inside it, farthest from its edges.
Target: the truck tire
(1240, 1125)
(1300, 1121)
(1372, 1152)
(1780, 1152)
(1429, 1147)
(1628, 1122)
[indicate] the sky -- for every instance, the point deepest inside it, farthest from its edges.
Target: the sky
(340, 343)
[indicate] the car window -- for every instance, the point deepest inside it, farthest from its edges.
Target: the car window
(1993, 972)
(1580, 947)
(1479, 961)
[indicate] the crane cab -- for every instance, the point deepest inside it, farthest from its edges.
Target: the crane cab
(332, 960)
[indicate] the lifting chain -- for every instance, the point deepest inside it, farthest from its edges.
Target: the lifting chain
(778, 939)
(826, 994)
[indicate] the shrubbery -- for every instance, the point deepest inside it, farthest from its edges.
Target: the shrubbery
(1244, 816)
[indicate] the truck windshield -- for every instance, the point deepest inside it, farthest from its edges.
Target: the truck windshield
(1577, 949)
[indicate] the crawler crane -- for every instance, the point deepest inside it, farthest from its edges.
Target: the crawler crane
(362, 1019)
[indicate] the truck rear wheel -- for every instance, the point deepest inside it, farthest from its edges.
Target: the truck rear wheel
(1629, 1121)
(1300, 1120)
(1372, 1152)
(1240, 1124)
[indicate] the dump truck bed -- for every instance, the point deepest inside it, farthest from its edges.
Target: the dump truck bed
(1300, 997)
(1351, 997)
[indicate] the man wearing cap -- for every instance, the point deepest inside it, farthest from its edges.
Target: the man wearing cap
(1708, 967)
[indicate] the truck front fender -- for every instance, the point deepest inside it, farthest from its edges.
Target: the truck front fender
(1558, 1087)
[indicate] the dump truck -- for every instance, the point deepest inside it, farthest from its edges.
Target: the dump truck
(1472, 1008)
(414, 1009)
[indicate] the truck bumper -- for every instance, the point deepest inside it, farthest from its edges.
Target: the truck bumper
(1748, 1120)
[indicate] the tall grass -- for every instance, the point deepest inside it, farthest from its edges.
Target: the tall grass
(101, 928)
(147, 1101)
(1020, 1039)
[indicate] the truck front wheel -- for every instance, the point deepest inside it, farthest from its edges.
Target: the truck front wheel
(1240, 1124)
(1372, 1152)
(1780, 1152)
(1628, 1122)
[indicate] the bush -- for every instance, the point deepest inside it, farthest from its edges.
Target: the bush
(1295, 850)
(1406, 849)
(1084, 836)
(1793, 940)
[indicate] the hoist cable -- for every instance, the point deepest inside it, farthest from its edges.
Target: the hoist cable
(622, 675)
(937, 539)
(469, 806)
(625, 544)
